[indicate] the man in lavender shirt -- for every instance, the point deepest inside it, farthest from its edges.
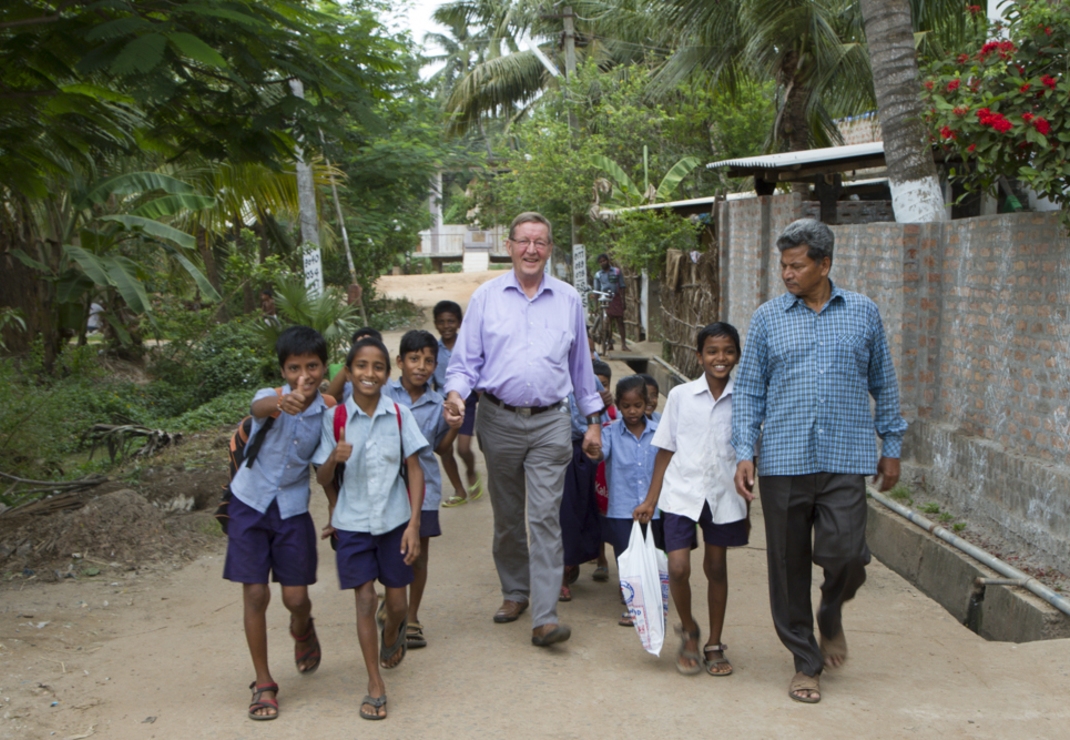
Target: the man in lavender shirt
(523, 344)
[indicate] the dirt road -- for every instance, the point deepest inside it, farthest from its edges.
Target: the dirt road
(159, 653)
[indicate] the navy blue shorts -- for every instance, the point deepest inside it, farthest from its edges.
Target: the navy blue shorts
(468, 426)
(617, 531)
(680, 531)
(364, 557)
(259, 544)
(429, 526)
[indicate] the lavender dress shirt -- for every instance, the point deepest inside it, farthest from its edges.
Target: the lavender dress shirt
(526, 351)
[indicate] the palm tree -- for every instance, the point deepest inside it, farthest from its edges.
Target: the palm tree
(916, 195)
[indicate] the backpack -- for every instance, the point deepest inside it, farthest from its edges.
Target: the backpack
(340, 469)
(240, 451)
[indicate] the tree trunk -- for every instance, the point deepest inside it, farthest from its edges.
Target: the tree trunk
(916, 194)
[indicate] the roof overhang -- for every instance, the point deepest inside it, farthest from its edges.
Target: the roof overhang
(806, 164)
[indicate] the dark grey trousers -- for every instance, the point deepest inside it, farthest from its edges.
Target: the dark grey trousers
(819, 517)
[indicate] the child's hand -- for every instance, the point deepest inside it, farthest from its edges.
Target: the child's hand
(327, 532)
(410, 544)
(643, 513)
(295, 401)
(342, 450)
(453, 421)
(453, 408)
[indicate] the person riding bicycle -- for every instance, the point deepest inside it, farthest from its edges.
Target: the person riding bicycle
(610, 280)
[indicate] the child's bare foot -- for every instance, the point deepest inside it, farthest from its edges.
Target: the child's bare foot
(373, 705)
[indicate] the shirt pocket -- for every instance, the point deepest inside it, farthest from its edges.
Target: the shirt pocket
(852, 352)
(552, 344)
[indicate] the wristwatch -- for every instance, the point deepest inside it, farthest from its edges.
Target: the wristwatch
(594, 419)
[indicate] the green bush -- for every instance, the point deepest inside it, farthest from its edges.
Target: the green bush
(227, 409)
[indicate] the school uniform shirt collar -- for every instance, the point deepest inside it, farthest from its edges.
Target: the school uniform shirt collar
(701, 386)
(425, 397)
(789, 301)
(385, 406)
(511, 282)
(650, 428)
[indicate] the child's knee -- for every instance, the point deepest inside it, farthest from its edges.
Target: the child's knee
(715, 566)
(295, 599)
(257, 596)
(679, 569)
(367, 601)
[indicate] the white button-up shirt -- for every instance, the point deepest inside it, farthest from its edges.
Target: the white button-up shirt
(698, 429)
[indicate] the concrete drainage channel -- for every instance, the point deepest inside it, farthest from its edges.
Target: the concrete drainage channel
(994, 606)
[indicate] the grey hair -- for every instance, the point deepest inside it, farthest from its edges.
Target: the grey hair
(811, 233)
(528, 217)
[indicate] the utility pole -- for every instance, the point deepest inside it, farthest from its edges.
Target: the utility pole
(353, 285)
(306, 197)
(573, 124)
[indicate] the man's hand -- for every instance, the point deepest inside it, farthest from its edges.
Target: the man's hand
(295, 401)
(592, 441)
(453, 409)
(888, 472)
(643, 513)
(410, 544)
(745, 479)
(342, 450)
(327, 532)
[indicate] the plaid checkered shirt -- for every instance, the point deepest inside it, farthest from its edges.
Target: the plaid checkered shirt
(804, 383)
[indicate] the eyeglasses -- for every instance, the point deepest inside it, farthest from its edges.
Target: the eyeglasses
(525, 243)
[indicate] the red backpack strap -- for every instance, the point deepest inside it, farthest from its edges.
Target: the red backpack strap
(339, 420)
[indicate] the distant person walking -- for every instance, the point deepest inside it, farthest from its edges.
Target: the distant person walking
(610, 279)
(813, 358)
(524, 345)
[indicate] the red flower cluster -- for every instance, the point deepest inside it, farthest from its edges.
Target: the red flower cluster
(954, 85)
(1028, 117)
(974, 9)
(961, 110)
(1005, 49)
(1042, 126)
(928, 84)
(1024, 88)
(971, 147)
(947, 133)
(1048, 81)
(997, 121)
(963, 58)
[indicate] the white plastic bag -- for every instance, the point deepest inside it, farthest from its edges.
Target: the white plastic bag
(644, 579)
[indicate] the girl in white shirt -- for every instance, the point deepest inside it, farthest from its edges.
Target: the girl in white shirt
(693, 484)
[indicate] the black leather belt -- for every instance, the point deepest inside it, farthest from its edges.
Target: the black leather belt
(522, 410)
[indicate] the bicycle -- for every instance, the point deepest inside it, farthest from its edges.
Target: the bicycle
(601, 330)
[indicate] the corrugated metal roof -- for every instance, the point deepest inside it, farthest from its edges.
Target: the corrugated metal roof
(808, 156)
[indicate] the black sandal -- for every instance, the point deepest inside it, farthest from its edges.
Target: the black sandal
(376, 701)
(386, 654)
(259, 703)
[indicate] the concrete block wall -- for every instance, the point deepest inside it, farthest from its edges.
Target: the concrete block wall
(977, 313)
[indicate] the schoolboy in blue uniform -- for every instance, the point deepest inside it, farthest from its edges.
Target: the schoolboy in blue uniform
(417, 358)
(270, 530)
(447, 323)
(376, 525)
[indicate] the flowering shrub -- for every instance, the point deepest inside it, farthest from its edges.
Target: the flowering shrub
(1003, 103)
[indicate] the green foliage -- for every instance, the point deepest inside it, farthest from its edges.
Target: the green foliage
(1001, 102)
(227, 409)
(930, 508)
(640, 239)
(958, 526)
(388, 314)
(327, 313)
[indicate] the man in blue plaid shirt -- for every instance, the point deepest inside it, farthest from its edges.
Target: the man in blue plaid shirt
(812, 359)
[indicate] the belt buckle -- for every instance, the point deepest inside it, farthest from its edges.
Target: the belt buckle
(524, 411)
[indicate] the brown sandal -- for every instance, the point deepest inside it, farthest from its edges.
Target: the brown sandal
(802, 682)
(258, 703)
(311, 651)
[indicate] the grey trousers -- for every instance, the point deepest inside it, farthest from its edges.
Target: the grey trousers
(526, 461)
(828, 510)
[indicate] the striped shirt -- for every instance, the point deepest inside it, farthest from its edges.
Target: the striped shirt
(804, 384)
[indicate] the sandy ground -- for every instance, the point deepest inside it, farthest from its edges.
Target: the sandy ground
(159, 652)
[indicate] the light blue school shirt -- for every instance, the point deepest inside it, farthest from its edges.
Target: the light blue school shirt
(432, 422)
(444, 355)
(373, 498)
(280, 472)
(655, 416)
(629, 466)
